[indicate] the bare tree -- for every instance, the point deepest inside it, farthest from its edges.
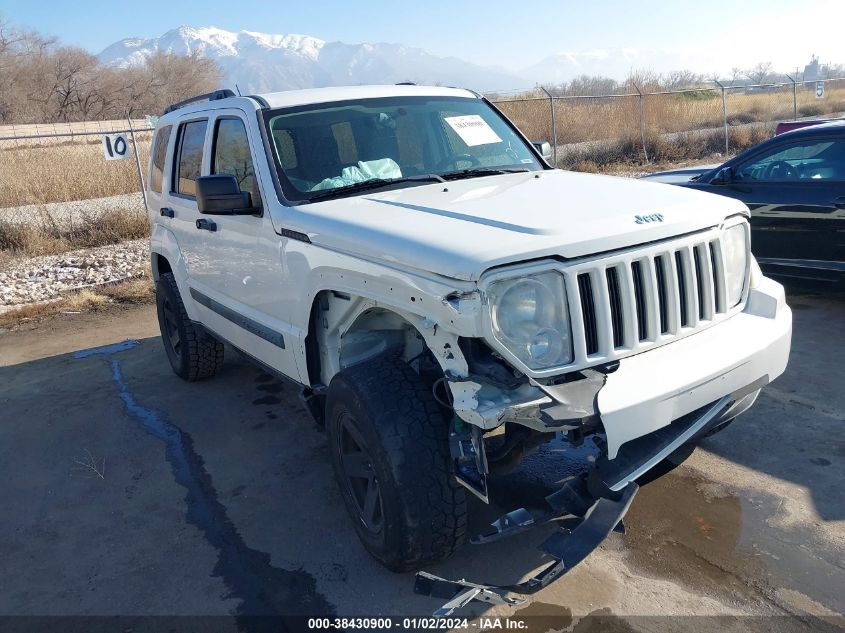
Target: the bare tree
(834, 70)
(592, 85)
(679, 79)
(41, 81)
(736, 73)
(760, 73)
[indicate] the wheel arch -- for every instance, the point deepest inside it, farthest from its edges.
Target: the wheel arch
(346, 329)
(159, 264)
(165, 254)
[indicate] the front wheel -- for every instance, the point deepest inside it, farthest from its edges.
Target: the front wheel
(390, 452)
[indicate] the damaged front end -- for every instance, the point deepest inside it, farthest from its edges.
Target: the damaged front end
(501, 415)
(566, 548)
(643, 402)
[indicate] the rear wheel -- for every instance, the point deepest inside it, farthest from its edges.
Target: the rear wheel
(390, 453)
(193, 354)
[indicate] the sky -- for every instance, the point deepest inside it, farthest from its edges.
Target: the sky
(705, 36)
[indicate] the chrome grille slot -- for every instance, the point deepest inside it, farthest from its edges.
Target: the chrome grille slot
(588, 313)
(662, 293)
(640, 300)
(683, 296)
(699, 283)
(718, 277)
(616, 318)
(706, 282)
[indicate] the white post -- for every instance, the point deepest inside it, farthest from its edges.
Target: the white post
(642, 121)
(137, 161)
(554, 123)
(724, 114)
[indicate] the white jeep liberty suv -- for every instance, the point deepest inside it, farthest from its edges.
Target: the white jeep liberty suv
(446, 301)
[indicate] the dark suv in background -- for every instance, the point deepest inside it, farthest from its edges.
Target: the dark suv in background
(794, 184)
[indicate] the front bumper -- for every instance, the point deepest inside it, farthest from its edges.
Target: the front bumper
(650, 390)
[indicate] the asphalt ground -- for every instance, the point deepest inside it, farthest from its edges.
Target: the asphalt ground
(127, 492)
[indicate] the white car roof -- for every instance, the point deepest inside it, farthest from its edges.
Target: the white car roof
(309, 96)
(347, 93)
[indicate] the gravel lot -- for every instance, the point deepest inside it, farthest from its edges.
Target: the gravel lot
(47, 277)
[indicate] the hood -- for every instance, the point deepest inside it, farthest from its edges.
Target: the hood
(461, 228)
(678, 176)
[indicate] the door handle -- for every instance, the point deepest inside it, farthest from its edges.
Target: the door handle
(839, 203)
(206, 225)
(166, 212)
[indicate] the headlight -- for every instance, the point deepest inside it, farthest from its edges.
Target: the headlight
(735, 252)
(530, 318)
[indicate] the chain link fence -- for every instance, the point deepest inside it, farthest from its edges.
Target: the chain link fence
(46, 164)
(59, 193)
(719, 118)
(59, 163)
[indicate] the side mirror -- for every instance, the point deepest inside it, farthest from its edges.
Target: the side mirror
(724, 176)
(220, 194)
(544, 148)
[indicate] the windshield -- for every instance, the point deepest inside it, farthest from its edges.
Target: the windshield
(328, 149)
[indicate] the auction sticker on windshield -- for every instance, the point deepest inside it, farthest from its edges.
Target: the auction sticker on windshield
(473, 130)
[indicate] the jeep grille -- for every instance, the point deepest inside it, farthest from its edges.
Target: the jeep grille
(624, 303)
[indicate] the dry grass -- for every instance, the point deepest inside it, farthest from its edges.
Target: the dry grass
(609, 156)
(132, 292)
(48, 236)
(53, 171)
(581, 120)
(84, 300)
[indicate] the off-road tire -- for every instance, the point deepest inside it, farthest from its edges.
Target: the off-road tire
(406, 436)
(197, 355)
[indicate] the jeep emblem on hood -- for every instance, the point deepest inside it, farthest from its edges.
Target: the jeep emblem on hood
(645, 219)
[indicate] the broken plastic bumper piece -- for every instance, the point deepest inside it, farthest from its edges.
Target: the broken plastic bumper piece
(566, 548)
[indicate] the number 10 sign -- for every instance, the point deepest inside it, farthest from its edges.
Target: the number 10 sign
(115, 146)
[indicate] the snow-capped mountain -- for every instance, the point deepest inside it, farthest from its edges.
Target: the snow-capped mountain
(260, 62)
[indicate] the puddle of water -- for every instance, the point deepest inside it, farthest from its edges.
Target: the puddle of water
(261, 588)
(604, 621)
(541, 617)
(675, 530)
(696, 532)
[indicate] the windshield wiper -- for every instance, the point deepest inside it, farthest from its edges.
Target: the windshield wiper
(482, 171)
(373, 183)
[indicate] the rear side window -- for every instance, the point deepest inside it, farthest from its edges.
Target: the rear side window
(189, 162)
(159, 155)
(232, 156)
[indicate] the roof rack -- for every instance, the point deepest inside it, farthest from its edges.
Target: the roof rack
(224, 93)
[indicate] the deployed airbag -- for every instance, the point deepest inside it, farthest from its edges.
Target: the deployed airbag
(385, 168)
